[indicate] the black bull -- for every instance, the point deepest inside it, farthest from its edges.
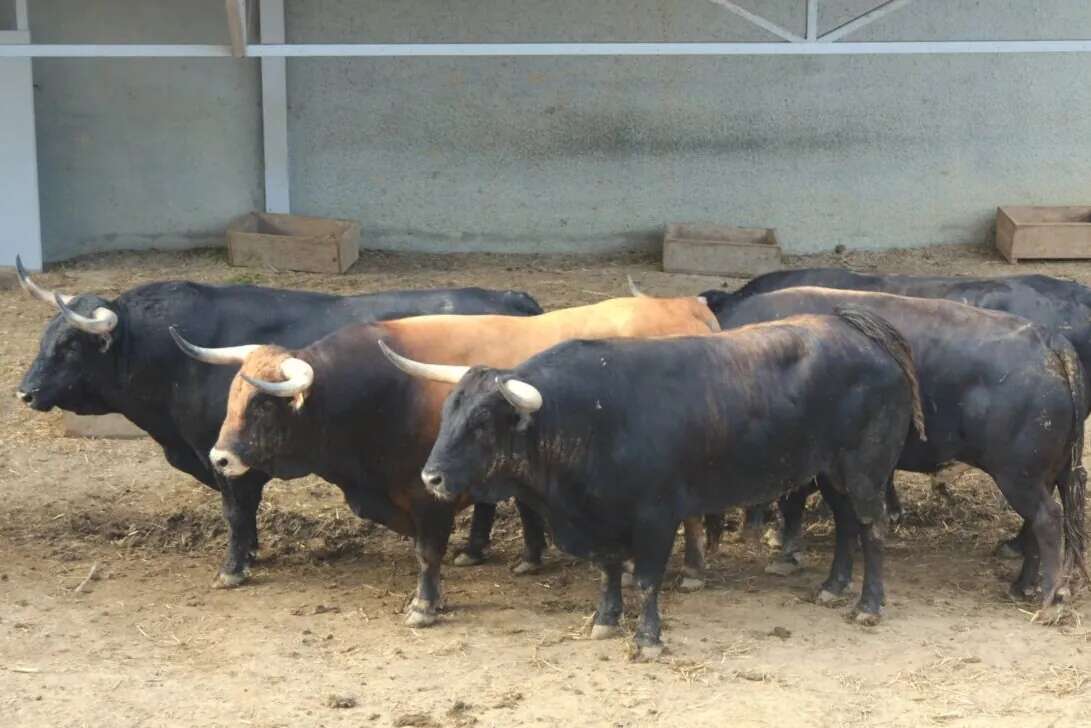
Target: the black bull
(617, 441)
(1062, 307)
(1000, 394)
(137, 371)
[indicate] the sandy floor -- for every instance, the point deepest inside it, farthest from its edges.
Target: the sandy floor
(317, 637)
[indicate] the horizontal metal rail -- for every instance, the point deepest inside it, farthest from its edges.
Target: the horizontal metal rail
(547, 50)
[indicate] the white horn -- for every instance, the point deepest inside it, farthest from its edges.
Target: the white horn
(436, 372)
(634, 290)
(522, 396)
(224, 355)
(36, 291)
(298, 377)
(101, 321)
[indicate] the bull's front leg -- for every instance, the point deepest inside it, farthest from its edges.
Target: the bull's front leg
(473, 553)
(433, 522)
(534, 540)
(241, 498)
(608, 615)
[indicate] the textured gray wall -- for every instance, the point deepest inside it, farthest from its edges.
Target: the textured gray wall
(581, 154)
(142, 153)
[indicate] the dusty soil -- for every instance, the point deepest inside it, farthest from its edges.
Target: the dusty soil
(317, 637)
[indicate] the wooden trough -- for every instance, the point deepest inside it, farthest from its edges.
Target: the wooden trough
(1043, 232)
(720, 250)
(293, 242)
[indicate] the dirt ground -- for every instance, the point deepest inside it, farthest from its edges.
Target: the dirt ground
(316, 639)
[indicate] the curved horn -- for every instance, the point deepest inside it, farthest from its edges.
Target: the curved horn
(102, 320)
(522, 396)
(36, 291)
(436, 372)
(299, 376)
(224, 355)
(633, 289)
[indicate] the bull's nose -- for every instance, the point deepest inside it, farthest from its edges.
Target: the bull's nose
(226, 462)
(25, 397)
(432, 480)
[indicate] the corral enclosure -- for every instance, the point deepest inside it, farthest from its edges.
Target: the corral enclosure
(317, 637)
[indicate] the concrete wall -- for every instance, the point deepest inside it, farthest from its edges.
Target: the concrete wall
(142, 153)
(542, 155)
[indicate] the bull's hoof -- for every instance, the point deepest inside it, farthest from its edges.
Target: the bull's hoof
(785, 566)
(604, 631)
(1008, 550)
(467, 558)
(1022, 592)
(421, 614)
(526, 567)
(649, 651)
(865, 619)
(827, 598)
(691, 584)
(225, 580)
(627, 580)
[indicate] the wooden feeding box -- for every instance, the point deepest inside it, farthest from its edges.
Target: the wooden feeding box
(112, 426)
(720, 250)
(1043, 232)
(293, 242)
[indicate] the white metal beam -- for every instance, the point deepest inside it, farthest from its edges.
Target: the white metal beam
(866, 19)
(22, 19)
(274, 110)
(759, 21)
(470, 50)
(812, 19)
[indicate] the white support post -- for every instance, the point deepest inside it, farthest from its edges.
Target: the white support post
(866, 19)
(759, 21)
(237, 26)
(22, 20)
(812, 20)
(21, 233)
(274, 110)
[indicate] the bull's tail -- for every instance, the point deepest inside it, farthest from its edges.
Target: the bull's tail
(881, 331)
(1072, 481)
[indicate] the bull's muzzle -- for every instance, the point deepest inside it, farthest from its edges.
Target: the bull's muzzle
(435, 484)
(227, 463)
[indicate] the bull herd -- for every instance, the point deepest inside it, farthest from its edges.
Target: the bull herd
(609, 424)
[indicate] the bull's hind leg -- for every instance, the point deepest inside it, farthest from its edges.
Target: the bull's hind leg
(433, 523)
(714, 532)
(869, 608)
(846, 533)
(789, 559)
(1042, 553)
(473, 553)
(241, 498)
(608, 615)
(650, 554)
